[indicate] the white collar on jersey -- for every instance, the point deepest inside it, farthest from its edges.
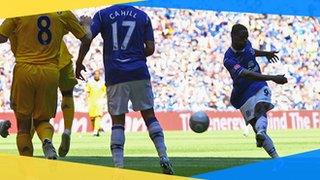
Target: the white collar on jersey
(235, 51)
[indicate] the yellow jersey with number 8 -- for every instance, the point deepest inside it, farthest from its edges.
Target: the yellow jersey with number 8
(37, 39)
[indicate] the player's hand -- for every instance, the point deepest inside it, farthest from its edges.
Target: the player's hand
(280, 79)
(79, 68)
(272, 57)
(85, 20)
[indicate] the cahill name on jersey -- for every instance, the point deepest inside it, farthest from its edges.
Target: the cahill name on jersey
(236, 62)
(124, 30)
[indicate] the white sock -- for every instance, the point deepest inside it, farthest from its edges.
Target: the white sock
(268, 146)
(157, 136)
(67, 131)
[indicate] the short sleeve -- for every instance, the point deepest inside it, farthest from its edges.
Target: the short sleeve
(96, 24)
(8, 27)
(73, 25)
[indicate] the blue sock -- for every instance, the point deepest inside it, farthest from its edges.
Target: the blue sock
(157, 136)
(117, 143)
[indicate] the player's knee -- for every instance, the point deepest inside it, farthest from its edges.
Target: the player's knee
(67, 93)
(38, 123)
(147, 114)
(152, 120)
(23, 123)
(22, 117)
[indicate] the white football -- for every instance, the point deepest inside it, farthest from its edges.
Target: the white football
(199, 122)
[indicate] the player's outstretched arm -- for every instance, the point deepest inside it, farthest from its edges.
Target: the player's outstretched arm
(3, 39)
(270, 55)
(279, 79)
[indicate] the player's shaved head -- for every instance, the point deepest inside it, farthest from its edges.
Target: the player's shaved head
(238, 29)
(239, 36)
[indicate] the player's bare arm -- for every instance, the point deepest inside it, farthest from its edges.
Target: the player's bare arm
(149, 48)
(270, 55)
(84, 48)
(3, 39)
(279, 79)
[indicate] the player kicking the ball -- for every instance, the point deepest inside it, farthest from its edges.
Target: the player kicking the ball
(251, 93)
(128, 39)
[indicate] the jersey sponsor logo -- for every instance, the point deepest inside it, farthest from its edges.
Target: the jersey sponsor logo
(236, 67)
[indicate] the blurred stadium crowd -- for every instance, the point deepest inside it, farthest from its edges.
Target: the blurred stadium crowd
(187, 68)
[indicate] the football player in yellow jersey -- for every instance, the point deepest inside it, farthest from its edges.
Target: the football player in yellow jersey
(96, 91)
(67, 81)
(35, 42)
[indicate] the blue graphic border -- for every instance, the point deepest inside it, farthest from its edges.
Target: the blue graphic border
(283, 7)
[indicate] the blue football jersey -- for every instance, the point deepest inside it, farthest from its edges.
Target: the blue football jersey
(124, 30)
(235, 62)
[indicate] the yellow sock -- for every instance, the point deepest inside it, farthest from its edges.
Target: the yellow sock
(24, 144)
(45, 131)
(67, 107)
(97, 124)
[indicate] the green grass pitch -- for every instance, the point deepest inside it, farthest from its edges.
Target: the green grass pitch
(189, 152)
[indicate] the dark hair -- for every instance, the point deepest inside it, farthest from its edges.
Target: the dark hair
(238, 28)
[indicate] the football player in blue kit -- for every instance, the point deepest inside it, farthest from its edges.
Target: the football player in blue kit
(127, 40)
(251, 93)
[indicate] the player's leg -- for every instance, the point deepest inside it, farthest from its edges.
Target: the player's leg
(92, 115)
(142, 100)
(254, 112)
(45, 133)
(4, 127)
(157, 137)
(22, 102)
(117, 140)
(67, 81)
(118, 98)
(67, 107)
(263, 105)
(45, 108)
(96, 125)
(24, 140)
(263, 140)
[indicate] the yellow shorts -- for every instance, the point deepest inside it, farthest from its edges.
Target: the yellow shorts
(67, 78)
(34, 91)
(95, 110)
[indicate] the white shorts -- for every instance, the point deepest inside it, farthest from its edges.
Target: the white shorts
(257, 105)
(138, 92)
